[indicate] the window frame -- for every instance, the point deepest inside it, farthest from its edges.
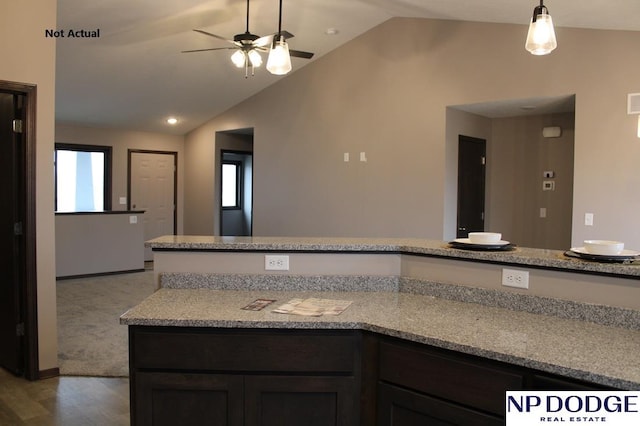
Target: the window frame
(239, 184)
(108, 162)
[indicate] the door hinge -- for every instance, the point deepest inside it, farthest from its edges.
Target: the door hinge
(17, 126)
(20, 329)
(17, 228)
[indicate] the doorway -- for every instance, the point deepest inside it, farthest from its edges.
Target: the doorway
(471, 185)
(18, 288)
(236, 183)
(152, 178)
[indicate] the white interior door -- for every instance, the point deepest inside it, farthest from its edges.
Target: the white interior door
(153, 190)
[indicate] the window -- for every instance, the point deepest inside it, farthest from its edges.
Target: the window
(231, 184)
(82, 178)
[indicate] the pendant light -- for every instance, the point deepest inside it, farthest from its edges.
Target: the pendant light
(541, 38)
(279, 61)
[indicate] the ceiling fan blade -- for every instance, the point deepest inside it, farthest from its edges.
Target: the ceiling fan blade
(207, 50)
(268, 39)
(286, 34)
(215, 36)
(264, 41)
(300, 54)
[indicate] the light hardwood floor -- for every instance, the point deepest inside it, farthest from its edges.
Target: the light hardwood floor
(63, 401)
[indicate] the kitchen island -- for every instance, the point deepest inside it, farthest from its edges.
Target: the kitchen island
(407, 340)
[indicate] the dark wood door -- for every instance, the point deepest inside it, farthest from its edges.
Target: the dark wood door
(471, 185)
(12, 261)
(402, 407)
(300, 400)
(187, 399)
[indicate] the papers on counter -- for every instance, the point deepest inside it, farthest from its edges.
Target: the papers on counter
(313, 307)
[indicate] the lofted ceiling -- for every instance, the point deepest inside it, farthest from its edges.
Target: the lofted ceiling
(134, 75)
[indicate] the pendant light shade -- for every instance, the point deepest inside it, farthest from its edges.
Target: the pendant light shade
(541, 38)
(279, 61)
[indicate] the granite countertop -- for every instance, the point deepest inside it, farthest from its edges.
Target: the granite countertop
(572, 348)
(540, 258)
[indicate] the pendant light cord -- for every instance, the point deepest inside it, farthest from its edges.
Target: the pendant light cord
(247, 31)
(280, 20)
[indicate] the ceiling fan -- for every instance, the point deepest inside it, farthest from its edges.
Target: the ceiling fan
(248, 46)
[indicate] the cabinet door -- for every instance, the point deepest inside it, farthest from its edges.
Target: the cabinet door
(301, 400)
(187, 399)
(402, 407)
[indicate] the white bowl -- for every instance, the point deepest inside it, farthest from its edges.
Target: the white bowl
(484, 237)
(603, 247)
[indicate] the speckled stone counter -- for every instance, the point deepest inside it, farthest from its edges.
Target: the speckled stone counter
(537, 258)
(572, 348)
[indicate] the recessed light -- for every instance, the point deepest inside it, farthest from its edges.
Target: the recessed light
(172, 120)
(528, 107)
(331, 31)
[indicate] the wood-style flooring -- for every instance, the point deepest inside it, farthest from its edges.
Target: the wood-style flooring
(63, 401)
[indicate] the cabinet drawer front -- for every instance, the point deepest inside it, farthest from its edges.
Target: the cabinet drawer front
(240, 350)
(453, 378)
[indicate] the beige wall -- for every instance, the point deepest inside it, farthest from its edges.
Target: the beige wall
(386, 93)
(30, 58)
(121, 141)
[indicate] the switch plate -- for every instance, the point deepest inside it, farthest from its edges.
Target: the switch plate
(123, 200)
(133, 219)
(543, 212)
(588, 219)
(345, 157)
(276, 262)
(515, 278)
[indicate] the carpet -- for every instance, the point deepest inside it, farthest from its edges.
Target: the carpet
(91, 341)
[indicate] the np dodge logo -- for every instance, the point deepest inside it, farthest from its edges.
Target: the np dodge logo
(616, 408)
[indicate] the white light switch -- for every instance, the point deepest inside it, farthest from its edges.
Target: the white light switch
(543, 212)
(346, 157)
(588, 219)
(133, 219)
(363, 157)
(123, 200)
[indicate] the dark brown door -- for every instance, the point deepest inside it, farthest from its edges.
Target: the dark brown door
(12, 214)
(471, 185)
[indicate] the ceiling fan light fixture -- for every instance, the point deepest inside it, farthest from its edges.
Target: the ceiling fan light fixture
(279, 61)
(255, 58)
(541, 38)
(238, 58)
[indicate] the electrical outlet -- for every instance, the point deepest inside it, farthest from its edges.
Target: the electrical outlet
(515, 278)
(276, 262)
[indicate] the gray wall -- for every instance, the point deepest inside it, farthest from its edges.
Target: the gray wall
(386, 93)
(518, 155)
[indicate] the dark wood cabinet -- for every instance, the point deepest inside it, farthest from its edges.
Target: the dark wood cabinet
(300, 400)
(402, 407)
(426, 386)
(422, 385)
(188, 399)
(263, 377)
(243, 377)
